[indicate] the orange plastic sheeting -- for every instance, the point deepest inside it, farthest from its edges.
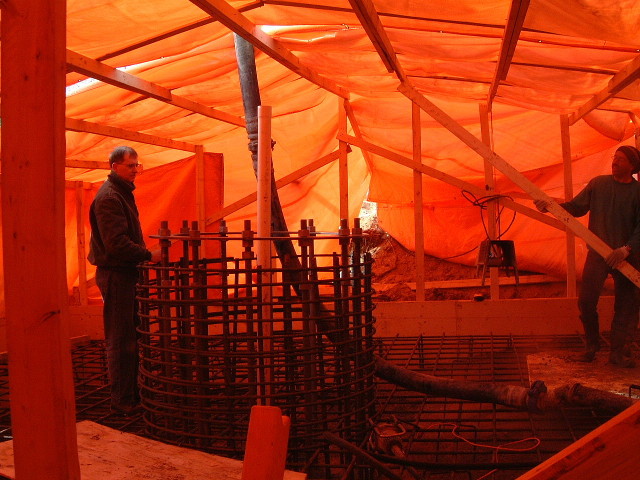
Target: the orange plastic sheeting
(567, 53)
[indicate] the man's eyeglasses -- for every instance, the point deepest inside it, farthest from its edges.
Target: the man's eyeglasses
(131, 166)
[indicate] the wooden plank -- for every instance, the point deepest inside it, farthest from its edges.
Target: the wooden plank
(610, 452)
(81, 242)
(113, 76)
(106, 453)
(492, 207)
(94, 69)
(76, 125)
(238, 23)
(33, 209)
(565, 140)
(366, 12)
(596, 243)
(517, 13)
(343, 165)
(450, 179)
(88, 164)
(418, 219)
(286, 180)
(618, 82)
(531, 316)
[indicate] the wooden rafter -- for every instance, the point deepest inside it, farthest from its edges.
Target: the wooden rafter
(446, 178)
(368, 16)
(617, 83)
(105, 73)
(76, 125)
(595, 242)
(171, 33)
(88, 164)
(512, 31)
(238, 23)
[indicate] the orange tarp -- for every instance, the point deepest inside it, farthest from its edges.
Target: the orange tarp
(567, 52)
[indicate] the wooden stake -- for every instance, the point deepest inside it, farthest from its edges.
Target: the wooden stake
(565, 138)
(418, 202)
(263, 247)
(342, 162)
(492, 210)
(33, 151)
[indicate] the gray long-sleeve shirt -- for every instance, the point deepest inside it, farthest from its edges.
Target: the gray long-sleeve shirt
(614, 210)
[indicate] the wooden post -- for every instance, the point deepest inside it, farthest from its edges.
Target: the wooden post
(490, 184)
(200, 194)
(81, 239)
(263, 247)
(565, 138)
(33, 203)
(418, 218)
(265, 453)
(342, 162)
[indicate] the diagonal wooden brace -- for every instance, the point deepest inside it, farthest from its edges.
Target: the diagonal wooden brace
(595, 242)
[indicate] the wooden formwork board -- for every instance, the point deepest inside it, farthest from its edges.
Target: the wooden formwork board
(108, 453)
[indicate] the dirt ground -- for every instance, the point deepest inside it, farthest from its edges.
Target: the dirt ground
(394, 268)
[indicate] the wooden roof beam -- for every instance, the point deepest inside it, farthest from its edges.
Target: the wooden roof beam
(618, 82)
(512, 30)
(76, 125)
(105, 73)
(238, 23)
(370, 20)
(171, 33)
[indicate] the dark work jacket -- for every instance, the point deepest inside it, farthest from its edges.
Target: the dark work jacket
(116, 236)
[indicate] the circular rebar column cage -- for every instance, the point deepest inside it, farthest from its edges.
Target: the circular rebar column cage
(221, 334)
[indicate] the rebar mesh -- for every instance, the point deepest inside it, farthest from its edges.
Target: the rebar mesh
(428, 443)
(220, 335)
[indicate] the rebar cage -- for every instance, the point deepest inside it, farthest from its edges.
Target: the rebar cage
(219, 335)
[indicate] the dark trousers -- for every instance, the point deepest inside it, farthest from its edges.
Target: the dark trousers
(120, 313)
(626, 306)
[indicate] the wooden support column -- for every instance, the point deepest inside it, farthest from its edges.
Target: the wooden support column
(33, 203)
(81, 239)
(568, 195)
(263, 250)
(342, 161)
(492, 207)
(418, 218)
(200, 193)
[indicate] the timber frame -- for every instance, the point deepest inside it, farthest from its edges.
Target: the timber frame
(38, 339)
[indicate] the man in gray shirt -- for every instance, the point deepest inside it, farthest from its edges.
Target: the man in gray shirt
(614, 205)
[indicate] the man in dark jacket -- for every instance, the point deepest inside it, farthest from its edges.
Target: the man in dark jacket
(117, 247)
(613, 203)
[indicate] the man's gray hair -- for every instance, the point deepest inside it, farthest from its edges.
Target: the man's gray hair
(118, 153)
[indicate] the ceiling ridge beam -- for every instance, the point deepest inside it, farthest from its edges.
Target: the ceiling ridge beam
(370, 21)
(238, 23)
(618, 82)
(118, 78)
(75, 125)
(517, 14)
